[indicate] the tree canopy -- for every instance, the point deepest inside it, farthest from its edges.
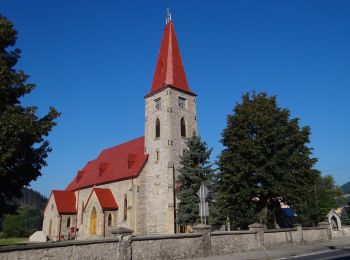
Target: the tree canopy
(195, 169)
(265, 161)
(23, 144)
(25, 222)
(319, 200)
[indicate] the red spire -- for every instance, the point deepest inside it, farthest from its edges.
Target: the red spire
(169, 70)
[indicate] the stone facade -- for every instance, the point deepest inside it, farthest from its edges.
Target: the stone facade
(156, 182)
(55, 224)
(120, 190)
(81, 220)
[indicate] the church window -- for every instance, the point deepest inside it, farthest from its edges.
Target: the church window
(109, 221)
(182, 102)
(183, 127)
(50, 227)
(68, 222)
(82, 211)
(157, 128)
(125, 207)
(158, 103)
(52, 207)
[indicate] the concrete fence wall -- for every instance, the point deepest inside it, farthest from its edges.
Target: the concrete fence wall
(180, 246)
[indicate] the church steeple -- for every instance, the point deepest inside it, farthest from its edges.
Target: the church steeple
(170, 117)
(169, 69)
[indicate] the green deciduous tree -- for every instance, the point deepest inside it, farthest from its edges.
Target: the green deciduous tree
(319, 200)
(265, 161)
(345, 216)
(327, 193)
(23, 144)
(195, 169)
(23, 224)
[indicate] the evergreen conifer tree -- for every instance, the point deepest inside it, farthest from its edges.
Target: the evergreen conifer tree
(195, 169)
(265, 161)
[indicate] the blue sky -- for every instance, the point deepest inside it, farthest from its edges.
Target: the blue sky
(94, 62)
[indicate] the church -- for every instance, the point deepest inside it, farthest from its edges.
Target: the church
(132, 185)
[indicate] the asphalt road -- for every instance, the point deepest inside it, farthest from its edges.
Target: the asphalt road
(333, 249)
(339, 254)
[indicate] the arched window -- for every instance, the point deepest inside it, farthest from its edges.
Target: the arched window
(109, 221)
(183, 127)
(68, 222)
(157, 128)
(50, 226)
(82, 212)
(125, 207)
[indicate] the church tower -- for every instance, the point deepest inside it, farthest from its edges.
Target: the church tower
(170, 118)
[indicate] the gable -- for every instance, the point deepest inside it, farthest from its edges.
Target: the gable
(104, 198)
(65, 201)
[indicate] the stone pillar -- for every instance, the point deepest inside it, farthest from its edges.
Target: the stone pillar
(125, 239)
(206, 241)
(300, 232)
(260, 233)
(325, 224)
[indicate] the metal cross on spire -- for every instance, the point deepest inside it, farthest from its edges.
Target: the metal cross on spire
(168, 15)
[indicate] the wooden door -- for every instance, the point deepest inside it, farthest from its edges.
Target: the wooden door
(93, 219)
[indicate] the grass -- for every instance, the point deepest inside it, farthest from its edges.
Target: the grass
(12, 241)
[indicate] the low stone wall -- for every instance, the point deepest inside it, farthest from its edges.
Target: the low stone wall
(316, 234)
(179, 246)
(345, 230)
(228, 242)
(87, 249)
(277, 237)
(167, 247)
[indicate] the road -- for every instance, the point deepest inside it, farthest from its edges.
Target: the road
(339, 254)
(334, 249)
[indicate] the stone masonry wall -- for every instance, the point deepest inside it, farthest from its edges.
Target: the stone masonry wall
(228, 242)
(315, 234)
(72, 250)
(155, 212)
(119, 190)
(51, 219)
(179, 246)
(279, 237)
(167, 247)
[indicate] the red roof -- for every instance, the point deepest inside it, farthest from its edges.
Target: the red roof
(65, 201)
(117, 163)
(169, 69)
(105, 198)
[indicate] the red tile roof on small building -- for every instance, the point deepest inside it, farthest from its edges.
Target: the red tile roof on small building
(169, 71)
(65, 201)
(121, 162)
(105, 198)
